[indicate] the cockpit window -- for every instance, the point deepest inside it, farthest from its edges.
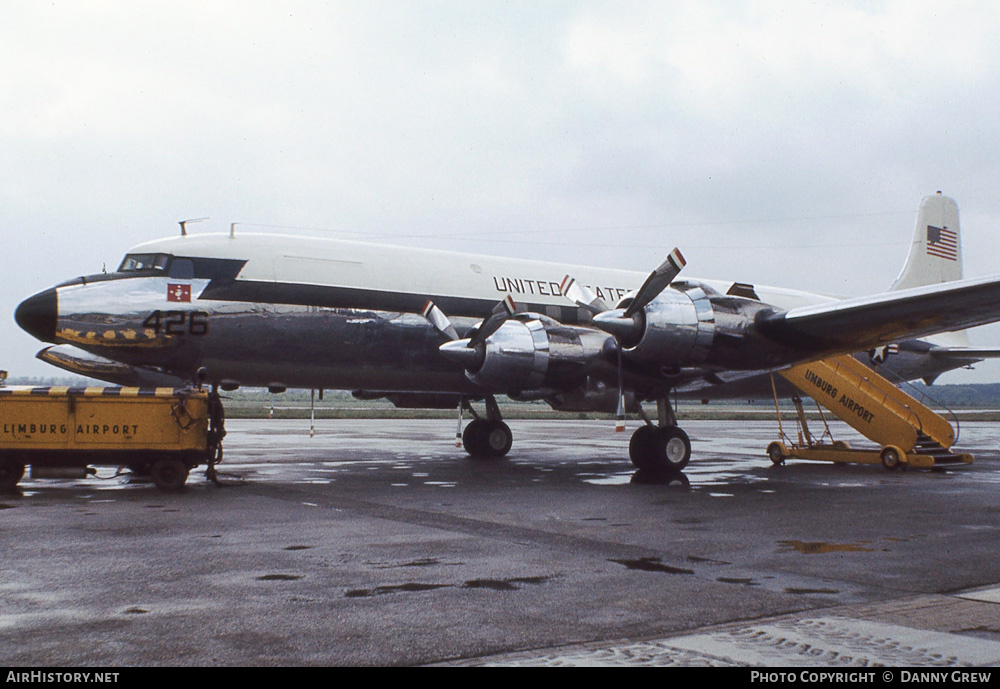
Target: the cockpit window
(134, 262)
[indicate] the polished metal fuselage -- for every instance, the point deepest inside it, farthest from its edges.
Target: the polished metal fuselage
(315, 313)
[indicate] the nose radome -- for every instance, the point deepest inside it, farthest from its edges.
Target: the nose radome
(37, 315)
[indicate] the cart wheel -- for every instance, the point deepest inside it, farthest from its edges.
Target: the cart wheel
(169, 474)
(776, 452)
(892, 457)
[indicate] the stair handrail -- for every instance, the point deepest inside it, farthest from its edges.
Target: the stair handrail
(957, 425)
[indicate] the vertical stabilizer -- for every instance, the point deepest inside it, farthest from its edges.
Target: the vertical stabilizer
(936, 252)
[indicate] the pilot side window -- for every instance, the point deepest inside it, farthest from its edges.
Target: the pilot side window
(182, 268)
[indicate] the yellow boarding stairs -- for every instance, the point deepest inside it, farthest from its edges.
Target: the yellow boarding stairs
(908, 432)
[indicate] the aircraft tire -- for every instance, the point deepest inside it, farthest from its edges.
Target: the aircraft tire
(169, 474)
(676, 449)
(665, 450)
(642, 448)
(473, 438)
(11, 471)
(498, 439)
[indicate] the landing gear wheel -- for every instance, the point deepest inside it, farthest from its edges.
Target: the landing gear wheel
(892, 457)
(777, 452)
(498, 439)
(642, 448)
(472, 437)
(665, 450)
(11, 472)
(677, 448)
(169, 474)
(490, 439)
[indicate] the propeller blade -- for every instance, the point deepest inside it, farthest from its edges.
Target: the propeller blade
(501, 312)
(506, 306)
(582, 296)
(620, 413)
(656, 282)
(440, 321)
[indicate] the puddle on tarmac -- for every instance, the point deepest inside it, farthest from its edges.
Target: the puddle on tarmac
(511, 584)
(503, 584)
(651, 564)
(421, 562)
(279, 577)
(382, 590)
(813, 548)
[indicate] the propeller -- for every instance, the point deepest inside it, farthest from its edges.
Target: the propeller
(657, 282)
(621, 323)
(501, 312)
(465, 350)
(582, 296)
(440, 321)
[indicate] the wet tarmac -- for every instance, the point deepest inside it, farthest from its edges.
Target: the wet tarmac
(380, 543)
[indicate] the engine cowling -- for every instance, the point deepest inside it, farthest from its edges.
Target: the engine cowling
(678, 326)
(529, 352)
(690, 325)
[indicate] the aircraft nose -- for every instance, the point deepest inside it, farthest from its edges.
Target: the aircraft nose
(37, 315)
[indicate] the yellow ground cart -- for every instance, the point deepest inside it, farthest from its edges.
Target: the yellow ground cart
(159, 432)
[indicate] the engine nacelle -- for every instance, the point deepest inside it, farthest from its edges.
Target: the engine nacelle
(678, 326)
(532, 352)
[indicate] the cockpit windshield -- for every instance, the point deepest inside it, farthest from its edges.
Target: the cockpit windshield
(134, 262)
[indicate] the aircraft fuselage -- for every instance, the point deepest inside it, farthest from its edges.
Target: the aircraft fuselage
(264, 310)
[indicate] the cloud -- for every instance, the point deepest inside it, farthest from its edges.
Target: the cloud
(585, 132)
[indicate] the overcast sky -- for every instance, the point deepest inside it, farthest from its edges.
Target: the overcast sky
(775, 142)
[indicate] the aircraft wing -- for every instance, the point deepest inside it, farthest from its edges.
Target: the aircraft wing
(866, 322)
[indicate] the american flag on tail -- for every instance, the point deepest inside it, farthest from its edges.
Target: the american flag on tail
(942, 242)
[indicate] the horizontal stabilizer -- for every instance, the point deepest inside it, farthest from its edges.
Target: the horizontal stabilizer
(966, 352)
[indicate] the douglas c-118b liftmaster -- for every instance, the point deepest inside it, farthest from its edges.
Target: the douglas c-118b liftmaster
(424, 328)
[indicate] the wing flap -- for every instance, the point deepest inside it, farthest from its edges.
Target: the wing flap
(867, 322)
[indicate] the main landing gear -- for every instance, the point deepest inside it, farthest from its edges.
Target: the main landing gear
(488, 438)
(664, 448)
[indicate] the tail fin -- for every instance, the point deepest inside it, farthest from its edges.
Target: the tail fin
(936, 252)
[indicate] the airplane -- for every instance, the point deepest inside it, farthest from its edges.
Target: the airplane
(423, 328)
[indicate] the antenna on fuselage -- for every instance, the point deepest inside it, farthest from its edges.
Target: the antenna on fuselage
(183, 224)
